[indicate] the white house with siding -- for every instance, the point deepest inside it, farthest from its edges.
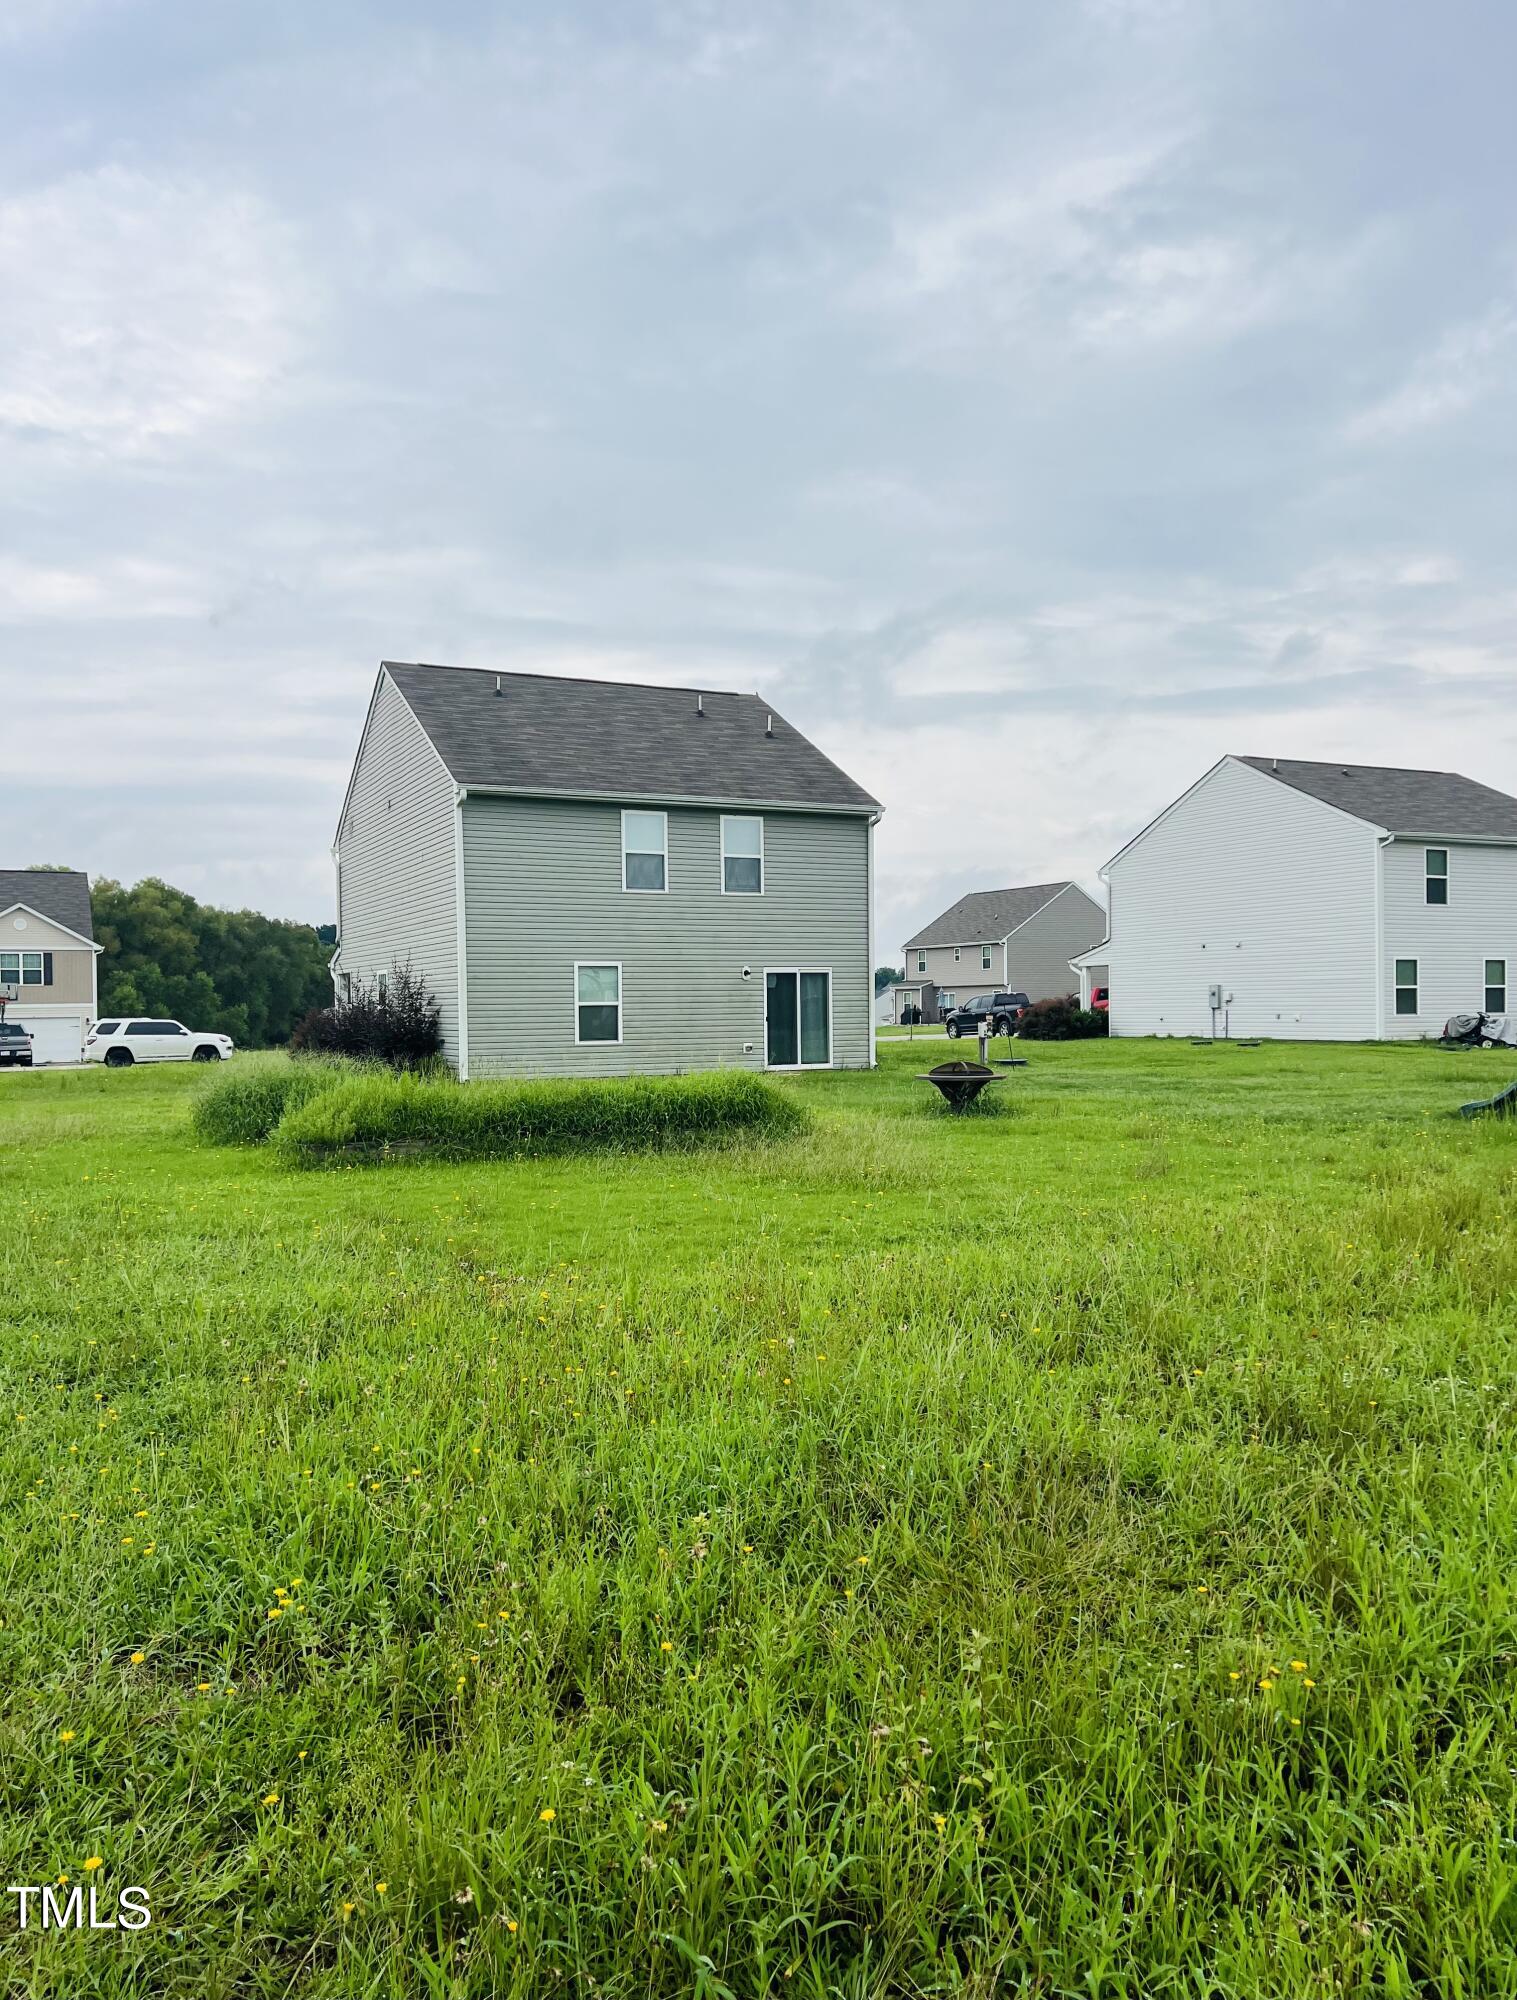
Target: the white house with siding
(596, 878)
(1313, 901)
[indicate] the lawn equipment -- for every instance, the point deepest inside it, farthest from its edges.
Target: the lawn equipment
(1480, 1031)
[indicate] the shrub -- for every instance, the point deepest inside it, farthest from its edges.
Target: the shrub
(1060, 1020)
(399, 1025)
(381, 1116)
(242, 1108)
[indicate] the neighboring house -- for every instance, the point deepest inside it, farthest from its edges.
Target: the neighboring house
(1020, 940)
(596, 878)
(48, 955)
(1332, 902)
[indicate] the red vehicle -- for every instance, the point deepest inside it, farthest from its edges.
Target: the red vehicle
(1100, 1000)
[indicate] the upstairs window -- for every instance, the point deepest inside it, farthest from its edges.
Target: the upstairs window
(26, 968)
(956, 954)
(1406, 985)
(597, 1003)
(1437, 879)
(1495, 986)
(742, 856)
(921, 961)
(984, 958)
(645, 852)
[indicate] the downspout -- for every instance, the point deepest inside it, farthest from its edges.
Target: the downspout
(1382, 842)
(460, 914)
(869, 973)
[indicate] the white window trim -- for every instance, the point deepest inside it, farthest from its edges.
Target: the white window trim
(1485, 984)
(1400, 986)
(786, 970)
(598, 965)
(1446, 878)
(921, 964)
(762, 861)
(648, 812)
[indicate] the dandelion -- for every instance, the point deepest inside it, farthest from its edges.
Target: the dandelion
(271, 1798)
(66, 1735)
(381, 1888)
(547, 1815)
(940, 1820)
(1298, 1666)
(511, 1925)
(347, 1910)
(275, 1611)
(202, 1687)
(659, 1825)
(1307, 1681)
(1265, 1684)
(666, 1646)
(1235, 1677)
(138, 1658)
(95, 1861)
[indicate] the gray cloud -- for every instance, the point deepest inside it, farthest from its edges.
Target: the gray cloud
(1035, 402)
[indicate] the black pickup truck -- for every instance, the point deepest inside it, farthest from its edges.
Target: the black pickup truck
(1001, 1011)
(15, 1046)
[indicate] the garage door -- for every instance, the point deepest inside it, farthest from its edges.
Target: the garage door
(53, 1041)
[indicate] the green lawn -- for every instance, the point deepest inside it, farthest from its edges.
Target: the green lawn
(1065, 1552)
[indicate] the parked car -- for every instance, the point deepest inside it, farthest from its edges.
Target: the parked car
(121, 1043)
(1100, 1000)
(1001, 1011)
(15, 1046)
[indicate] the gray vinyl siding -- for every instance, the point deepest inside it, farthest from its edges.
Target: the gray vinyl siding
(397, 896)
(543, 890)
(1040, 951)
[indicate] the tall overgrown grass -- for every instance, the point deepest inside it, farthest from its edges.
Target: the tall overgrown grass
(384, 1116)
(243, 1105)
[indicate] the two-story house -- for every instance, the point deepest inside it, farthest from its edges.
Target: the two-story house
(1314, 901)
(998, 939)
(48, 958)
(597, 878)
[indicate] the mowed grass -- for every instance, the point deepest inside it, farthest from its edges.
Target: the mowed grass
(1065, 1551)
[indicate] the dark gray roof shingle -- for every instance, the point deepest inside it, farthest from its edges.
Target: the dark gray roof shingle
(60, 894)
(545, 733)
(1433, 802)
(986, 915)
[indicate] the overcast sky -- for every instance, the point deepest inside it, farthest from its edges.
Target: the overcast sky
(1033, 401)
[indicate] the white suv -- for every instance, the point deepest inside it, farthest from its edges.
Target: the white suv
(121, 1043)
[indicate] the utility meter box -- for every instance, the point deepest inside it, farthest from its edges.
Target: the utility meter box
(1214, 997)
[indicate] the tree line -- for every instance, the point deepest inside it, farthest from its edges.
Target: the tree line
(232, 972)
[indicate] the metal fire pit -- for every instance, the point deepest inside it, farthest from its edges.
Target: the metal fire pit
(960, 1082)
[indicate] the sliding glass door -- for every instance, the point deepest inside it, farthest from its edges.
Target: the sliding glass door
(798, 1019)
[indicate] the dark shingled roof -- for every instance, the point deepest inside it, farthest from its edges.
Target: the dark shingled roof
(544, 733)
(1435, 802)
(61, 894)
(986, 915)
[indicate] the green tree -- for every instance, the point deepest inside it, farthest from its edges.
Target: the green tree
(887, 975)
(234, 972)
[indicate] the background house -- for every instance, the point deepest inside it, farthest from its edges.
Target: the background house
(1021, 939)
(1318, 901)
(48, 956)
(596, 878)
